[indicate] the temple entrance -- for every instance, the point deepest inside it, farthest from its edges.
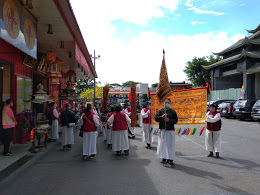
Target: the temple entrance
(5, 82)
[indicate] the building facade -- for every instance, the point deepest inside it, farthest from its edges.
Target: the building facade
(240, 65)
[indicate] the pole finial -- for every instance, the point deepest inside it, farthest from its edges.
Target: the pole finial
(163, 51)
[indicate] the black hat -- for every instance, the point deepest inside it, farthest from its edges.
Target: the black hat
(214, 105)
(118, 108)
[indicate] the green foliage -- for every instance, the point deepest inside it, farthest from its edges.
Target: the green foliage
(155, 85)
(144, 96)
(84, 84)
(196, 73)
(129, 84)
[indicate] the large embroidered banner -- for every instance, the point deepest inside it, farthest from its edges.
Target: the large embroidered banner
(191, 108)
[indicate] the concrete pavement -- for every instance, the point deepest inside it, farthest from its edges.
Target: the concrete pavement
(64, 172)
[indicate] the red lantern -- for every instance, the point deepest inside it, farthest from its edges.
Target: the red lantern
(51, 56)
(55, 72)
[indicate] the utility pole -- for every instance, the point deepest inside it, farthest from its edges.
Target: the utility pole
(94, 58)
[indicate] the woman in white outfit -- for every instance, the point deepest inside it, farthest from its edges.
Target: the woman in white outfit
(54, 134)
(90, 133)
(213, 133)
(146, 115)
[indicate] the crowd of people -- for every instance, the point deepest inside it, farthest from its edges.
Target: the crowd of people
(115, 126)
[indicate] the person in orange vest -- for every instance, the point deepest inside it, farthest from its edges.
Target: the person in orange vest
(90, 133)
(146, 115)
(9, 122)
(119, 131)
(213, 133)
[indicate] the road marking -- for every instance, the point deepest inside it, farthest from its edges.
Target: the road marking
(227, 159)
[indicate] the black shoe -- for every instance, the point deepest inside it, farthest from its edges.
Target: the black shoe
(217, 155)
(163, 161)
(210, 154)
(169, 165)
(69, 146)
(133, 136)
(65, 147)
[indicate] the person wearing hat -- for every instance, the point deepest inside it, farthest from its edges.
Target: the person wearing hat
(213, 133)
(54, 134)
(119, 121)
(146, 115)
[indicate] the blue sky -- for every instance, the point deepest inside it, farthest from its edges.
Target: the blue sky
(130, 35)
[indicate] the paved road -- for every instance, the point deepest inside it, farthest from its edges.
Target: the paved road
(64, 172)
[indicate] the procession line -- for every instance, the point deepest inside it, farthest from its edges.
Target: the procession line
(227, 159)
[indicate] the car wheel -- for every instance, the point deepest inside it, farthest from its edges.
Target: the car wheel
(241, 119)
(227, 117)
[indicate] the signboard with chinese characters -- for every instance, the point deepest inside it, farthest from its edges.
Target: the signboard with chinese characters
(18, 27)
(81, 59)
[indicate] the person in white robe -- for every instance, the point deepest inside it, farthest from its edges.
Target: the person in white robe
(147, 124)
(166, 117)
(213, 131)
(90, 133)
(68, 121)
(54, 133)
(127, 110)
(119, 121)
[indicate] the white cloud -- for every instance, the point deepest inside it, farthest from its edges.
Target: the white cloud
(196, 22)
(237, 37)
(134, 11)
(199, 11)
(139, 56)
(128, 30)
(188, 3)
(178, 15)
(242, 5)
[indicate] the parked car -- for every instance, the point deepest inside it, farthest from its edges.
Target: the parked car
(256, 111)
(216, 102)
(242, 109)
(226, 109)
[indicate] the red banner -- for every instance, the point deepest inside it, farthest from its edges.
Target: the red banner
(81, 59)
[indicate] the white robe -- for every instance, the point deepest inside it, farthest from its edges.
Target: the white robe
(54, 133)
(67, 135)
(147, 136)
(119, 138)
(90, 140)
(109, 136)
(104, 130)
(128, 114)
(166, 144)
(213, 138)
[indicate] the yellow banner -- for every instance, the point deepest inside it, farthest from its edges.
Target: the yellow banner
(190, 105)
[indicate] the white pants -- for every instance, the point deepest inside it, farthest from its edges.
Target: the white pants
(213, 141)
(104, 130)
(109, 136)
(166, 144)
(90, 143)
(67, 135)
(54, 133)
(147, 136)
(120, 140)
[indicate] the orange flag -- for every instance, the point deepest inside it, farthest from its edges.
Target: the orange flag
(129, 96)
(149, 94)
(164, 88)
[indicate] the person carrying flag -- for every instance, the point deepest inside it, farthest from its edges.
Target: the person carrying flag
(166, 117)
(147, 128)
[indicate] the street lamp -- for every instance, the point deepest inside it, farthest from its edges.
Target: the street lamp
(94, 57)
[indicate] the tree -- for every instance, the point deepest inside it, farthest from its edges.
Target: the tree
(129, 84)
(84, 84)
(196, 73)
(155, 85)
(89, 93)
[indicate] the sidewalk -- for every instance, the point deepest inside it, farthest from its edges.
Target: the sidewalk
(19, 150)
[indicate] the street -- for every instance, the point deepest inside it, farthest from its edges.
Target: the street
(64, 172)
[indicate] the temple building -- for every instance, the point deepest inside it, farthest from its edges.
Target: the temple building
(240, 65)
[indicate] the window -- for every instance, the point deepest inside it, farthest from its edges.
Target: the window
(24, 92)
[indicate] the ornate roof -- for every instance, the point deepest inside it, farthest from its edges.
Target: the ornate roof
(234, 58)
(246, 41)
(254, 31)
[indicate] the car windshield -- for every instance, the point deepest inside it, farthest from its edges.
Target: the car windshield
(257, 103)
(241, 103)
